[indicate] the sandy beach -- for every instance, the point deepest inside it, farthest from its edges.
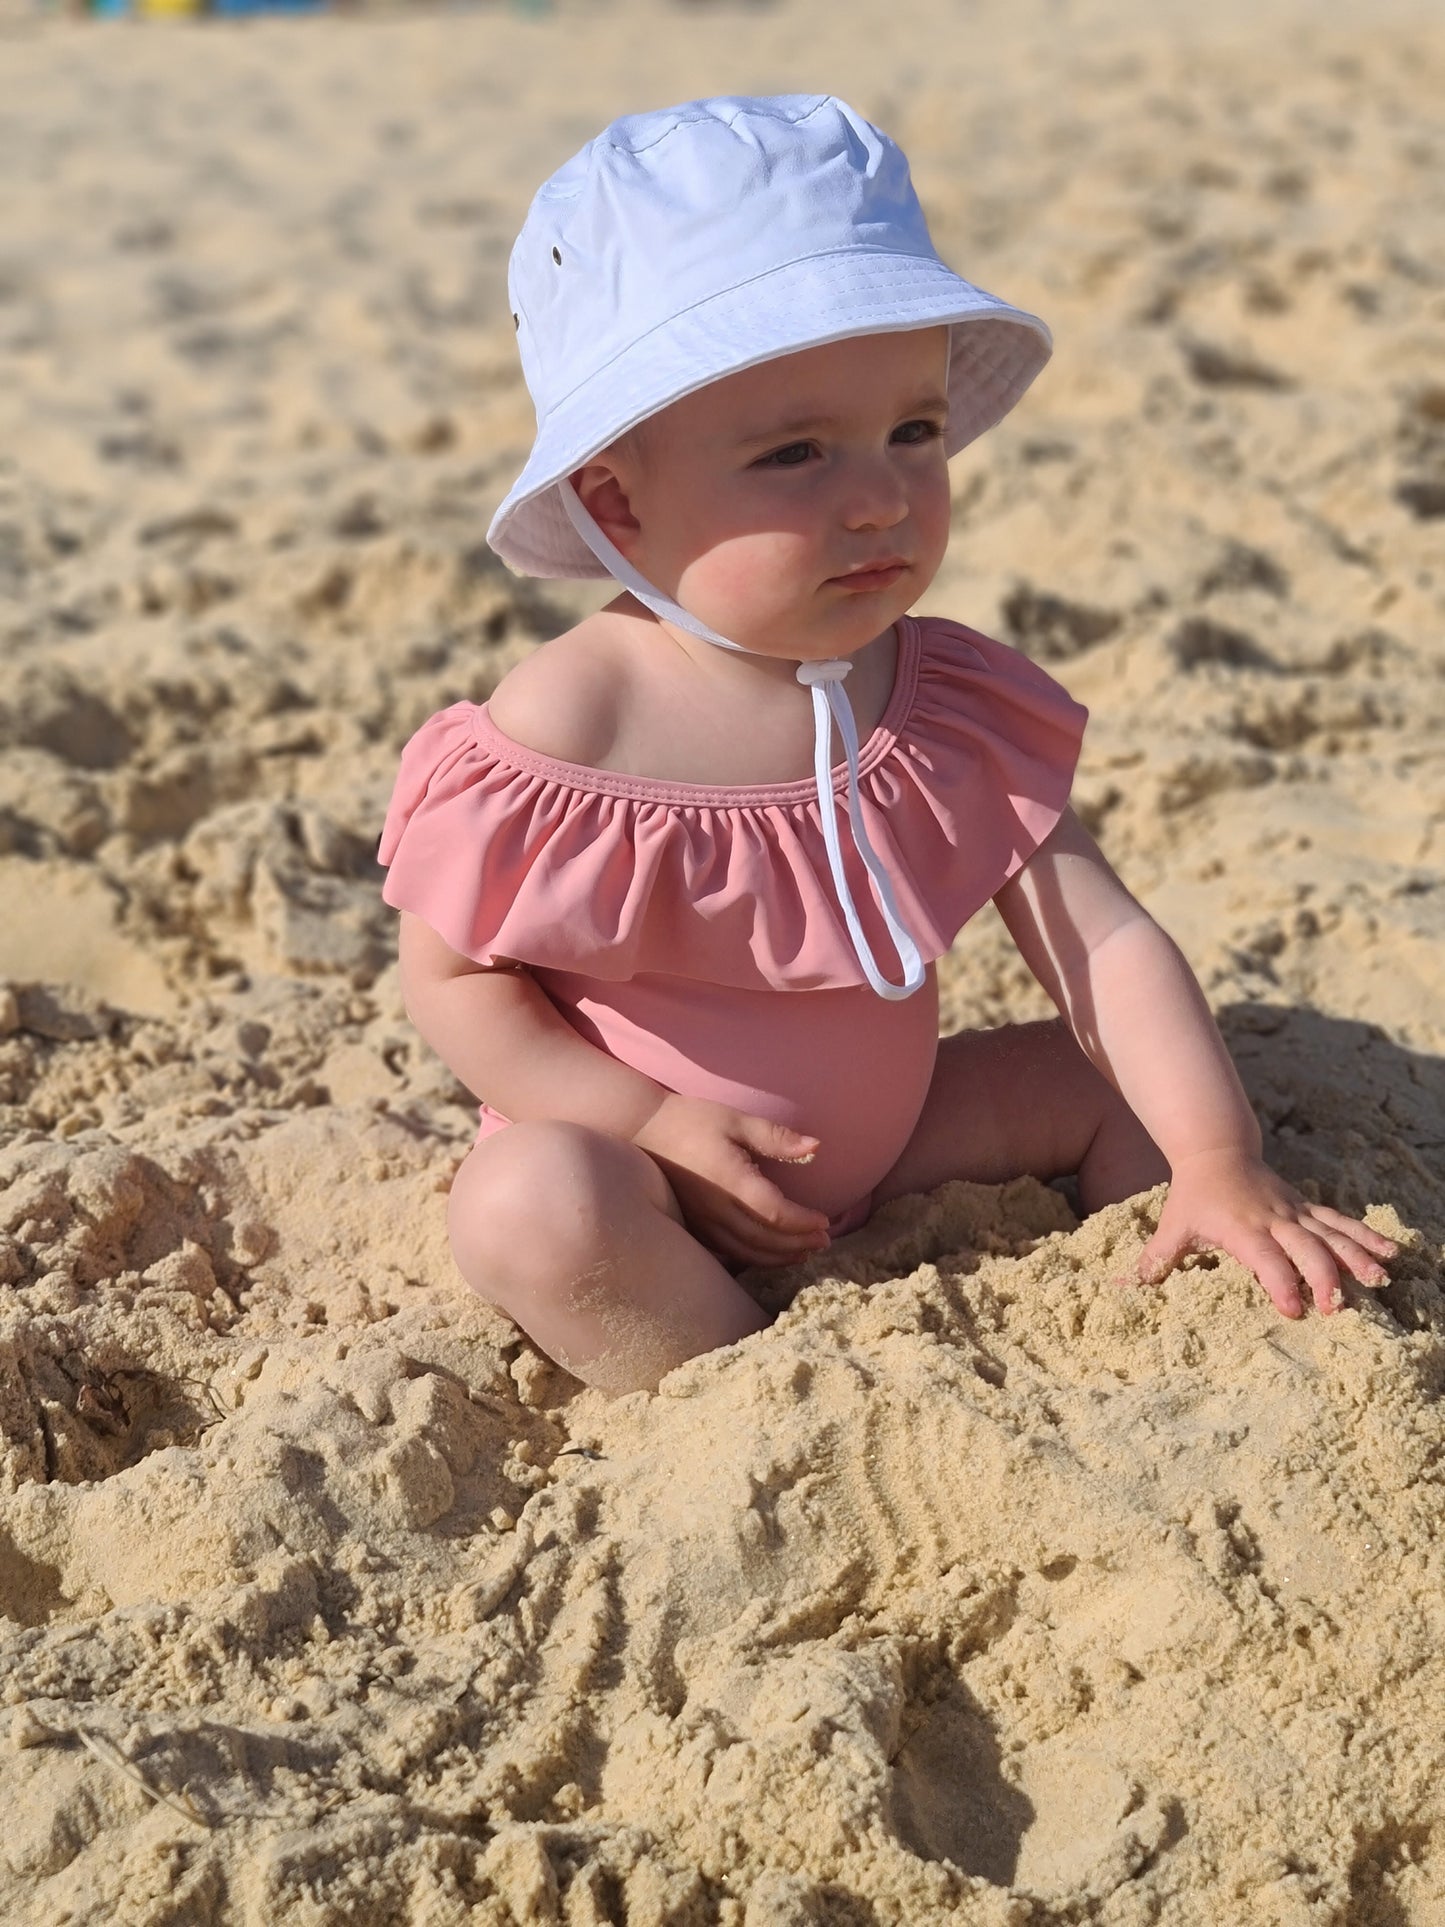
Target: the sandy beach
(978, 1589)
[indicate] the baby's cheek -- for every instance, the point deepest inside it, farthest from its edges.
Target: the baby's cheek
(749, 575)
(934, 514)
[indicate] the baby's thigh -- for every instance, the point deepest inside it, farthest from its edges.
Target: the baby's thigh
(542, 1199)
(1019, 1100)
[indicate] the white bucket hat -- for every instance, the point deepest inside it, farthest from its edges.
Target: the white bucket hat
(683, 245)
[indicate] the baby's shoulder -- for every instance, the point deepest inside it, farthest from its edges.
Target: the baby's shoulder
(562, 701)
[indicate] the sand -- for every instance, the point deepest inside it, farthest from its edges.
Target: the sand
(977, 1589)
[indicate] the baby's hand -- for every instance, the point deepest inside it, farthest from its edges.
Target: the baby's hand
(708, 1152)
(1230, 1201)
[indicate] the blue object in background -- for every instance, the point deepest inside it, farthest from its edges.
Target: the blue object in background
(234, 8)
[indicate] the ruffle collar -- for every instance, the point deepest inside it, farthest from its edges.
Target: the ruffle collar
(511, 854)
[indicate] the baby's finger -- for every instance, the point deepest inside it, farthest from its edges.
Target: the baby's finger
(739, 1250)
(756, 1209)
(1360, 1265)
(733, 1234)
(1362, 1234)
(780, 1251)
(766, 1139)
(1273, 1270)
(1315, 1262)
(765, 1201)
(743, 1237)
(1160, 1255)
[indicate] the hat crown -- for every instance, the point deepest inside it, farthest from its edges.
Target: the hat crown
(664, 211)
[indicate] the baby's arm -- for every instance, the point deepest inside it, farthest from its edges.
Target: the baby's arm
(1138, 1012)
(505, 1039)
(501, 1034)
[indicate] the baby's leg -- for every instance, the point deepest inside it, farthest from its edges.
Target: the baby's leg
(578, 1237)
(1025, 1100)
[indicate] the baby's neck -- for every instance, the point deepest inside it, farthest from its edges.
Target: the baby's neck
(682, 710)
(734, 670)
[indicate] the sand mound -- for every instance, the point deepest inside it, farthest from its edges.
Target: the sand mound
(977, 1588)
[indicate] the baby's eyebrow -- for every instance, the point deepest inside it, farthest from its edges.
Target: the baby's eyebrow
(931, 403)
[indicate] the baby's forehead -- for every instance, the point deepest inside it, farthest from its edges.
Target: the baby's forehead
(856, 376)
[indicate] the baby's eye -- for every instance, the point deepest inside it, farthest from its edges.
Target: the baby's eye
(793, 456)
(917, 432)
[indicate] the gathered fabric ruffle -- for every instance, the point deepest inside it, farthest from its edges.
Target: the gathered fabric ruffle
(511, 855)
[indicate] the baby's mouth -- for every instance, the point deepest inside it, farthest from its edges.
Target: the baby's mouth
(876, 575)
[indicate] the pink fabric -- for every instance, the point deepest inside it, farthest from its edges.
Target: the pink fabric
(664, 919)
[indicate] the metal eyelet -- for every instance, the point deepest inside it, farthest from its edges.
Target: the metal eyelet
(557, 256)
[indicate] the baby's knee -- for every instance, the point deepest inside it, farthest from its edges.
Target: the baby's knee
(534, 1205)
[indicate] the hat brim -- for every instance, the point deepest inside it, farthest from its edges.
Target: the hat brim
(996, 352)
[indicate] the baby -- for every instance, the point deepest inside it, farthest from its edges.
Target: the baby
(701, 997)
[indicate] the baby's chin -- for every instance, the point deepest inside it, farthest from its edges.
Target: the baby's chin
(802, 633)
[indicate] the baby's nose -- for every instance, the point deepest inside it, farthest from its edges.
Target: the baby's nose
(875, 498)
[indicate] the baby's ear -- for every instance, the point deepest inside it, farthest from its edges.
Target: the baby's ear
(602, 495)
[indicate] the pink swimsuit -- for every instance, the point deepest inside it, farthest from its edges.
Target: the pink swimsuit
(664, 919)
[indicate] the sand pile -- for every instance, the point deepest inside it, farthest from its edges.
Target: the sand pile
(977, 1588)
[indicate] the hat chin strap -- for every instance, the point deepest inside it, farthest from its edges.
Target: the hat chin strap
(830, 704)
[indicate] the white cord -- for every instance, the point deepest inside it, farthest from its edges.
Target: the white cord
(824, 679)
(617, 565)
(830, 704)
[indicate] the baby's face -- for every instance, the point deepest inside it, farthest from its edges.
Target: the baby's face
(801, 506)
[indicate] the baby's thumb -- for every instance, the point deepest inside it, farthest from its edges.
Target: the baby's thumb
(1160, 1255)
(769, 1140)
